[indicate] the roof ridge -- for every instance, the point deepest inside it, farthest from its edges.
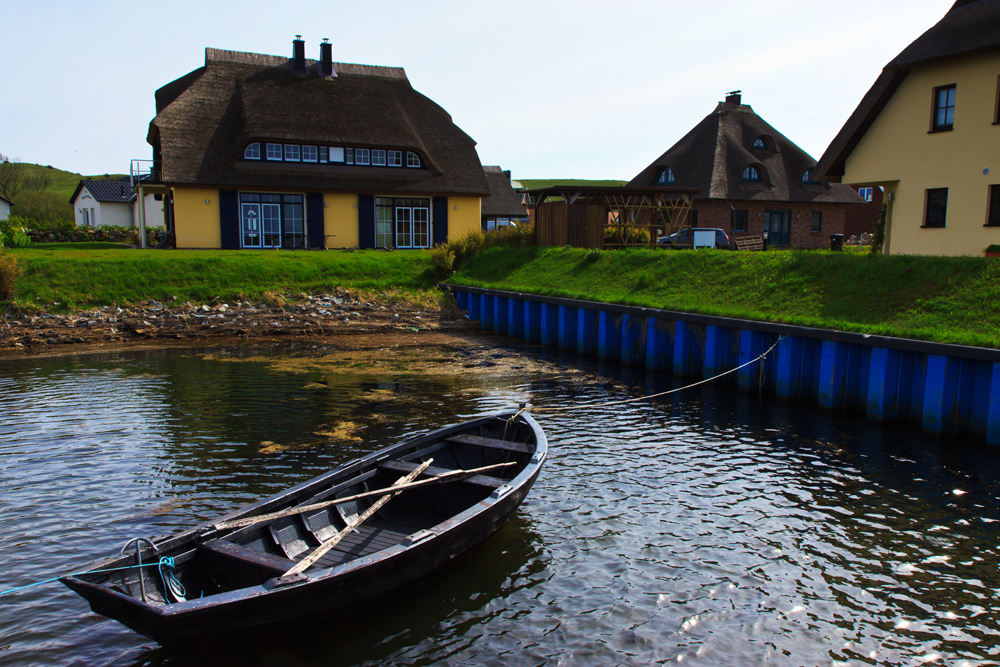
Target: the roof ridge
(213, 55)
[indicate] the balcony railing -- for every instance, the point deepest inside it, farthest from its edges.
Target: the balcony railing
(145, 171)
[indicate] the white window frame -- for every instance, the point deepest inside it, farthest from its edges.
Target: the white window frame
(275, 152)
(866, 193)
(378, 157)
(315, 153)
(337, 154)
(362, 156)
(252, 151)
(412, 159)
(395, 158)
(293, 150)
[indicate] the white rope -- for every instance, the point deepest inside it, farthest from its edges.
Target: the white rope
(669, 391)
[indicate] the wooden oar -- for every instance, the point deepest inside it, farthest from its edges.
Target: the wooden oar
(321, 550)
(443, 477)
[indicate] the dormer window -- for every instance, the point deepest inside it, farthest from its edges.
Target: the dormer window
(274, 152)
(752, 175)
(293, 152)
(310, 154)
(665, 176)
(412, 159)
(760, 144)
(252, 152)
(805, 175)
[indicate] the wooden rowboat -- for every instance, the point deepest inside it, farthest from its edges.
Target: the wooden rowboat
(347, 538)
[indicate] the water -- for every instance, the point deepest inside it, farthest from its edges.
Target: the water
(704, 528)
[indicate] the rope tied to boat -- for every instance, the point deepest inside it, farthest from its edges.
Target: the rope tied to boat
(524, 406)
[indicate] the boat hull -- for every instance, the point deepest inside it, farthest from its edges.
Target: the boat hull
(283, 603)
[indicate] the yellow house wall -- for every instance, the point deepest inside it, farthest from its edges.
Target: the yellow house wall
(899, 153)
(467, 217)
(196, 224)
(340, 220)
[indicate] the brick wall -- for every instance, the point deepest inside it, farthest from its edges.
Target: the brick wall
(717, 213)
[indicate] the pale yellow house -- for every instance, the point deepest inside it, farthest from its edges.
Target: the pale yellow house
(254, 151)
(928, 132)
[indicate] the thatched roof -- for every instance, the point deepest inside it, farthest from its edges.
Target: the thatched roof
(117, 192)
(503, 201)
(713, 156)
(205, 119)
(969, 27)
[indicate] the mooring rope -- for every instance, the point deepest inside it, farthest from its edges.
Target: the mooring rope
(550, 410)
(74, 574)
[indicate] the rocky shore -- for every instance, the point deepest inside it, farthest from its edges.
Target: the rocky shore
(320, 316)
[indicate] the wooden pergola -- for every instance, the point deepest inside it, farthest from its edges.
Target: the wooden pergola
(608, 217)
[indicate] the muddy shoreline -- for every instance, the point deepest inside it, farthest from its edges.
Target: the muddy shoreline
(310, 318)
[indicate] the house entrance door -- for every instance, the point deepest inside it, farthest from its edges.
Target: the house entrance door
(779, 227)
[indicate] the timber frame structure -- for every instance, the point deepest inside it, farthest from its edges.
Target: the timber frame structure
(609, 217)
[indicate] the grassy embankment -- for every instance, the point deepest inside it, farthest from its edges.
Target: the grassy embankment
(82, 275)
(943, 299)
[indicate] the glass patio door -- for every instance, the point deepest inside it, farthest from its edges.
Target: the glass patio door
(404, 227)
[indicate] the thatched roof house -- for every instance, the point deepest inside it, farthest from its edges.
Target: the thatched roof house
(503, 206)
(751, 178)
(338, 134)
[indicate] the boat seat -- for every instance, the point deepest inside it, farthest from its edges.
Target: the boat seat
(404, 467)
(494, 443)
(290, 536)
(227, 553)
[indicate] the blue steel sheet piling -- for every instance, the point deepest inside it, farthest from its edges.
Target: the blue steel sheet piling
(515, 318)
(943, 388)
(609, 335)
(586, 331)
(633, 339)
(568, 327)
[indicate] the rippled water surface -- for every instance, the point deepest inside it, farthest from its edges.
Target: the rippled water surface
(704, 528)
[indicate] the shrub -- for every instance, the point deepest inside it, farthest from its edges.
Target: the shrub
(443, 260)
(10, 272)
(626, 235)
(13, 233)
(476, 241)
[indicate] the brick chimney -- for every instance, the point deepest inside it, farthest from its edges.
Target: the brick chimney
(734, 97)
(298, 55)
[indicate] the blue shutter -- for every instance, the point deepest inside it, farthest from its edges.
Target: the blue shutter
(229, 219)
(316, 228)
(439, 233)
(366, 221)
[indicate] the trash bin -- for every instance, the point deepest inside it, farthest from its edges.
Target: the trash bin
(836, 241)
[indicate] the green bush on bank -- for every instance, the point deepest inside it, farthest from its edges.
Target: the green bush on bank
(13, 233)
(450, 256)
(10, 272)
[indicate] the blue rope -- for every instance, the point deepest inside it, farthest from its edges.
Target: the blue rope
(49, 581)
(171, 584)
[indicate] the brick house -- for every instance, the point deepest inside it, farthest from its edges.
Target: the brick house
(751, 180)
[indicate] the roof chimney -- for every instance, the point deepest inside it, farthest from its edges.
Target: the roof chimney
(298, 55)
(734, 97)
(325, 65)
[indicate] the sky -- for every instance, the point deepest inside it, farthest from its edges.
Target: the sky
(547, 89)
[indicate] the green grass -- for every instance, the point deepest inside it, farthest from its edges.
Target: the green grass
(63, 183)
(75, 277)
(531, 183)
(944, 299)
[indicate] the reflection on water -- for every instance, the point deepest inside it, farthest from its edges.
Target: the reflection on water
(709, 528)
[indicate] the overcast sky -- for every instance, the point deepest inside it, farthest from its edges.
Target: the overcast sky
(547, 89)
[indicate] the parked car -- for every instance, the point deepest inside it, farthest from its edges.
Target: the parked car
(685, 238)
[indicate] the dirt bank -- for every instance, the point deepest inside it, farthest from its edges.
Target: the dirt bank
(150, 322)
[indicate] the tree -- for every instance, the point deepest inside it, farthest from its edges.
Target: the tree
(15, 179)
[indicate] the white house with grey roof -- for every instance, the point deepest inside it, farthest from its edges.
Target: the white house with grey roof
(111, 204)
(5, 205)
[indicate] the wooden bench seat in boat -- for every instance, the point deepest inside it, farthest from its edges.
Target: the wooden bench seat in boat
(506, 445)
(404, 467)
